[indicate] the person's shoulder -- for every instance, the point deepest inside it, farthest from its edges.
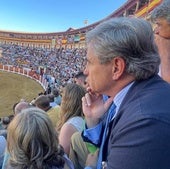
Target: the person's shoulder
(54, 110)
(57, 107)
(75, 119)
(77, 122)
(2, 139)
(3, 133)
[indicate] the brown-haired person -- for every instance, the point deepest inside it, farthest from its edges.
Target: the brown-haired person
(32, 142)
(80, 79)
(43, 102)
(71, 119)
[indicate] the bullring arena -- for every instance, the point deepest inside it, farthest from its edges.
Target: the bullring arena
(31, 62)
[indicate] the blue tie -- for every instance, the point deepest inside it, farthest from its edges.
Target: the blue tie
(110, 115)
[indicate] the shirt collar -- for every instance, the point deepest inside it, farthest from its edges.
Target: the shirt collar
(120, 96)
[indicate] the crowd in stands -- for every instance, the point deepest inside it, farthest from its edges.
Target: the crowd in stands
(58, 66)
(32, 142)
(65, 116)
(64, 109)
(110, 116)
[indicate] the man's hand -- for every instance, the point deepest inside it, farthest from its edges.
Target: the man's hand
(94, 108)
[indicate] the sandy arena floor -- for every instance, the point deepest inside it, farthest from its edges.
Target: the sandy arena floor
(14, 87)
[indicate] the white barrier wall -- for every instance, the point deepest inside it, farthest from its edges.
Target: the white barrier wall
(26, 72)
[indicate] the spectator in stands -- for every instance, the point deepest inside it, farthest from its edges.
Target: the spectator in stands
(71, 118)
(43, 103)
(48, 90)
(17, 108)
(5, 122)
(33, 143)
(60, 64)
(2, 149)
(161, 17)
(80, 79)
(123, 62)
(52, 102)
(79, 149)
(57, 97)
(21, 106)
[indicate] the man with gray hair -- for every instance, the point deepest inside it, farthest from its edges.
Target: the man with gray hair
(131, 128)
(160, 16)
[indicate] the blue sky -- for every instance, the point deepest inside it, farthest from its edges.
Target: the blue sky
(53, 15)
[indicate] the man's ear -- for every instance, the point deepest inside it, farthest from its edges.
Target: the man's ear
(118, 67)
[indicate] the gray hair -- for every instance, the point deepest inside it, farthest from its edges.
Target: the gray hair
(162, 11)
(129, 38)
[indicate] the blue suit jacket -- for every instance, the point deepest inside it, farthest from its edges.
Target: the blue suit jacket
(140, 133)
